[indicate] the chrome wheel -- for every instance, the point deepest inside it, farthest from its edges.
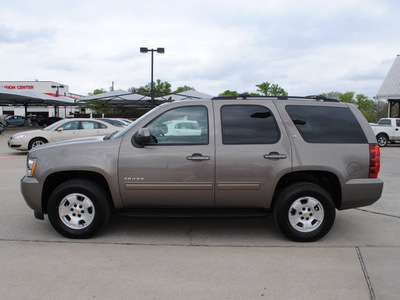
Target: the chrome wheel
(382, 140)
(37, 143)
(306, 214)
(76, 211)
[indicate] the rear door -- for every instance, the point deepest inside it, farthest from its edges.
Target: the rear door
(396, 131)
(92, 128)
(252, 152)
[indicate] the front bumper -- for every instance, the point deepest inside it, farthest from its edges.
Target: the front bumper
(31, 190)
(14, 144)
(361, 192)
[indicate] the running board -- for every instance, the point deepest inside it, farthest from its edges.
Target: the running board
(193, 213)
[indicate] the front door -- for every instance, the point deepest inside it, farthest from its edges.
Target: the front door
(177, 167)
(66, 131)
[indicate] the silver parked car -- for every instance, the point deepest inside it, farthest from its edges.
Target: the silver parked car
(62, 130)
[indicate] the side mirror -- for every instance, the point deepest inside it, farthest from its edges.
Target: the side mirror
(142, 137)
(60, 129)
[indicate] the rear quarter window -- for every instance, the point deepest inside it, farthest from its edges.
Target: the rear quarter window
(328, 125)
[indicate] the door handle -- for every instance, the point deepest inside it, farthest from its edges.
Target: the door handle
(197, 157)
(275, 156)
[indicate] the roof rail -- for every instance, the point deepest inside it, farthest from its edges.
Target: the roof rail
(245, 96)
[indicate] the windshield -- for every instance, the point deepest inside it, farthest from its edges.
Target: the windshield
(127, 128)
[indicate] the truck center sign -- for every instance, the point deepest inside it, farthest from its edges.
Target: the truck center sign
(18, 87)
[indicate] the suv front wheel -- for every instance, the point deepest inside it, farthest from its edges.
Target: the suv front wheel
(78, 208)
(304, 212)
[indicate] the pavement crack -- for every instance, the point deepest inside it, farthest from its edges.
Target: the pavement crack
(364, 269)
(378, 213)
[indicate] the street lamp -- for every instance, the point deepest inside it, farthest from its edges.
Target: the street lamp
(57, 94)
(158, 50)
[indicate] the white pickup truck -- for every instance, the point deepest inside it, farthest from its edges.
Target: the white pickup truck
(387, 131)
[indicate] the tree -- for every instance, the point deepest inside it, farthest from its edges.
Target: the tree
(269, 89)
(97, 91)
(365, 105)
(229, 93)
(161, 88)
(347, 97)
(183, 88)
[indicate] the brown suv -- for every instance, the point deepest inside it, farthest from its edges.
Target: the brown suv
(299, 158)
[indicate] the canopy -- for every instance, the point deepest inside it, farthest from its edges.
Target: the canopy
(25, 98)
(17, 98)
(191, 94)
(122, 98)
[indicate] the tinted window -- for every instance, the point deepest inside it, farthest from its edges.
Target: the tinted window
(248, 124)
(184, 125)
(331, 125)
(385, 122)
(397, 123)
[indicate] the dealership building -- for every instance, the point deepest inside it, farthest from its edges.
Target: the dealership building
(51, 88)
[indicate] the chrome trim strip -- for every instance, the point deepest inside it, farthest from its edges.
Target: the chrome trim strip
(239, 186)
(169, 186)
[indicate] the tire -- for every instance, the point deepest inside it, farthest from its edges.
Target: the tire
(78, 208)
(36, 142)
(382, 140)
(304, 212)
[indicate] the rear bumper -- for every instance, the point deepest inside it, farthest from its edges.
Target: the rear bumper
(361, 192)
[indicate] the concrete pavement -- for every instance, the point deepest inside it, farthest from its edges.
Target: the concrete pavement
(137, 258)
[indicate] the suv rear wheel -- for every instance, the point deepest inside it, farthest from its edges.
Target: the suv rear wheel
(304, 212)
(78, 208)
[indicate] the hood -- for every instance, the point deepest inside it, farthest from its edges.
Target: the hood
(69, 143)
(28, 132)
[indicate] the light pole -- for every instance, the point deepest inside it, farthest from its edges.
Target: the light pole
(158, 50)
(57, 94)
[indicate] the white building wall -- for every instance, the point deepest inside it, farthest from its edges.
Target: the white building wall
(42, 87)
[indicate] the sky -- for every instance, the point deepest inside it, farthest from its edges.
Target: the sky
(307, 47)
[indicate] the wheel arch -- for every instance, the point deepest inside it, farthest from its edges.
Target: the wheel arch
(37, 138)
(326, 180)
(56, 179)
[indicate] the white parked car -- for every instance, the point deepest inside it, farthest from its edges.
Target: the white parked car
(61, 130)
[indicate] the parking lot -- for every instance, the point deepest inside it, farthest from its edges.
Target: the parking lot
(248, 258)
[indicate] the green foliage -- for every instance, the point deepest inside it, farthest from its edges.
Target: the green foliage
(347, 97)
(365, 105)
(264, 88)
(97, 91)
(184, 88)
(269, 89)
(161, 88)
(229, 93)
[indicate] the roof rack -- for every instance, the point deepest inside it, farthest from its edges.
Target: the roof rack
(245, 96)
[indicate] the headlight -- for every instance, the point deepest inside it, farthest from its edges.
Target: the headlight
(31, 165)
(19, 137)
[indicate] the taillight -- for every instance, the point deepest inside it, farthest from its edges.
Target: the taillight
(374, 160)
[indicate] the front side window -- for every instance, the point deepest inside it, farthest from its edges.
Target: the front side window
(73, 125)
(328, 125)
(248, 124)
(184, 125)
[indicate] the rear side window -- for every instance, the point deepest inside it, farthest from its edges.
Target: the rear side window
(328, 125)
(248, 124)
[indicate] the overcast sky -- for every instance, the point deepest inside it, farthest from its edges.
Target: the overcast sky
(307, 47)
